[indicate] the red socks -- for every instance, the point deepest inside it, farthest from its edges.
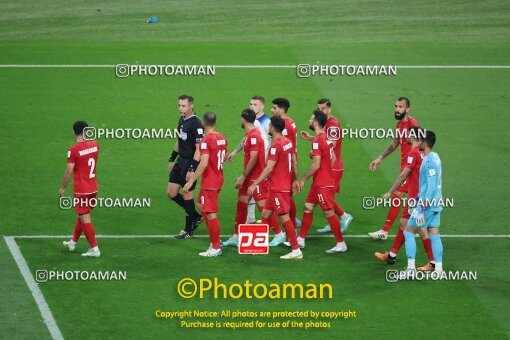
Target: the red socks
(241, 215)
(290, 230)
(427, 244)
(398, 242)
(306, 224)
(78, 229)
(292, 212)
(213, 226)
(392, 213)
(338, 209)
(273, 223)
(90, 234)
(334, 223)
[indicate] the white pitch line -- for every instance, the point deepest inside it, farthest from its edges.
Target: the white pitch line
(48, 318)
(255, 66)
(205, 236)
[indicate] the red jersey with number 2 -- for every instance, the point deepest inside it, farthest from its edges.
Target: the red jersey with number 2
(280, 179)
(84, 157)
(214, 145)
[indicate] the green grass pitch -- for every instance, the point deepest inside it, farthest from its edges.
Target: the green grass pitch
(467, 108)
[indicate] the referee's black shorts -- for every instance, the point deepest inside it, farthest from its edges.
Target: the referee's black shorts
(178, 175)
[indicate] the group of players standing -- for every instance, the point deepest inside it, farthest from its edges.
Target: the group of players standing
(270, 175)
(270, 178)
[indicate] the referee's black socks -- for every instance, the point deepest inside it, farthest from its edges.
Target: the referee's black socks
(179, 199)
(191, 213)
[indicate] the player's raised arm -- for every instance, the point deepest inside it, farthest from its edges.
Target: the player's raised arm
(68, 173)
(384, 154)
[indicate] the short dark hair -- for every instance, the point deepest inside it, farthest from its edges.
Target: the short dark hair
(408, 102)
(430, 138)
(259, 98)
(320, 117)
(324, 101)
(249, 115)
(79, 126)
(210, 118)
(278, 123)
(282, 103)
(185, 96)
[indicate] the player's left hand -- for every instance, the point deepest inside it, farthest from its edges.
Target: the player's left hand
(250, 190)
(188, 175)
(187, 186)
(306, 135)
(419, 216)
(296, 188)
(61, 191)
(239, 182)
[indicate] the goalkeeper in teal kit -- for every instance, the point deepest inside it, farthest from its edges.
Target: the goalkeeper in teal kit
(429, 203)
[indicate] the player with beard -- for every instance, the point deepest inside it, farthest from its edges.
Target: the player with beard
(333, 132)
(405, 122)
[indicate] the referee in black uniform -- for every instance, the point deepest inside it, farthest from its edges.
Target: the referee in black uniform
(183, 161)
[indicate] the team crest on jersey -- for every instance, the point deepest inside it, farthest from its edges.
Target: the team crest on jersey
(184, 135)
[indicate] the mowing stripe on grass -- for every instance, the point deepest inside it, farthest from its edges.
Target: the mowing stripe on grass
(206, 236)
(417, 67)
(48, 318)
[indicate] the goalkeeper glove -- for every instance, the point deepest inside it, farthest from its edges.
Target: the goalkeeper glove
(418, 215)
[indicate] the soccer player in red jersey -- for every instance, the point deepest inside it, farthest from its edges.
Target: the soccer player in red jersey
(280, 108)
(405, 122)
(281, 168)
(254, 163)
(333, 132)
(213, 148)
(322, 191)
(411, 175)
(81, 163)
